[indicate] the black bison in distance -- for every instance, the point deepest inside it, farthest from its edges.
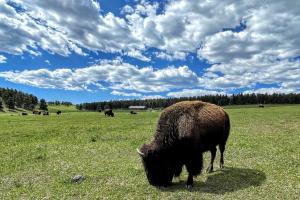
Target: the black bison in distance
(184, 131)
(109, 112)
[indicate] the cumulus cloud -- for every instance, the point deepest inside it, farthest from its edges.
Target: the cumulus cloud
(2, 59)
(137, 54)
(184, 24)
(246, 43)
(62, 27)
(153, 97)
(170, 57)
(48, 62)
(125, 94)
(271, 90)
(117, 75)
(248, 73)
(194, 93)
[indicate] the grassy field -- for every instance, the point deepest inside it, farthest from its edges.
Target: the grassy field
(40, 154)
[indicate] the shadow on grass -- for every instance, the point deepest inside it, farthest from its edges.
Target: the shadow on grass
(221, 182)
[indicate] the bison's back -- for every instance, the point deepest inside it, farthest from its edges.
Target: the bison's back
(195, 122)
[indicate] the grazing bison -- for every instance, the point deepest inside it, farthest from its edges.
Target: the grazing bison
(24, 113)
(58, 112)
(184, 131)
(108, 112)
(36, 112)
(46, 113)
(133, 113)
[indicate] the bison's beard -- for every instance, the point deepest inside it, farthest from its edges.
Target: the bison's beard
(160, 171)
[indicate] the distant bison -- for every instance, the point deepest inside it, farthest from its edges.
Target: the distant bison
(184, 131)
(108, 112)
(261, 106)
(46, 113)
(133, 113)
(58, 112)
(36, 112)
(24, 113)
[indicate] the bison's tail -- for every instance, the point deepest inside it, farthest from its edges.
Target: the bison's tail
(226, 127)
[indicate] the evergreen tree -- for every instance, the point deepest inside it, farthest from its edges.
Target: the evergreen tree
(1, 104)
(11, 103)
(43, 105)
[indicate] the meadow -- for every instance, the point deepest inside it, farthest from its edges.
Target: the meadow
(40, 154)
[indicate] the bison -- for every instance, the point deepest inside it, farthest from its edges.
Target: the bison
(58, 112)
(108, 112)
(133, 113)
(45, 113)
(24, 113)
(36, 112)
(184, 131)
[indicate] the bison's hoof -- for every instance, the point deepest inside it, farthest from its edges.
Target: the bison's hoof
(222, 167)
(209, 169)
(189, 186)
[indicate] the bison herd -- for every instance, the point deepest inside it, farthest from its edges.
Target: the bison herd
(184, 131)
(37, 112)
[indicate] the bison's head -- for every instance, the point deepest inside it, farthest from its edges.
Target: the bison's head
(158, 167)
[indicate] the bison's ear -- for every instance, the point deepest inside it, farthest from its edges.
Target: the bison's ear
(140, 152)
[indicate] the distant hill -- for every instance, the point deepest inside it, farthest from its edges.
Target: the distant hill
(14, 100)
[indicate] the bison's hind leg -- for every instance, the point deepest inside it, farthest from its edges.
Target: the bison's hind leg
(210, 167)
(222, 149)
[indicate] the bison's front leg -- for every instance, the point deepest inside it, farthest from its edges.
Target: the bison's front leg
(194, 167)
(190, 181)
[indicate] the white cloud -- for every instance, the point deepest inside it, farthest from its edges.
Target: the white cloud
(183, 25)
(265, 51)
(127, 9)
(125, 94)
(117, 75)
(270, 91)
(137, 54)
(194, 92)
(63, 27)
(48, 62)
(153, 97)
(170, 57)
(241, 73)
(2, 59)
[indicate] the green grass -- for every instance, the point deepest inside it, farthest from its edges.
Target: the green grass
(62, 108)
(52, 109)
(40, 154)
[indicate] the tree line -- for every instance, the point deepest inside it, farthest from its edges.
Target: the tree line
(14, 98)
(222, 100)
(57, 103)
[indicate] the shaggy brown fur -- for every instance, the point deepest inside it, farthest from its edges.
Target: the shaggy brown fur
(109, 112)
(184, 131)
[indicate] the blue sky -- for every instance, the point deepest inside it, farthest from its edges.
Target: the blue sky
(86, 50)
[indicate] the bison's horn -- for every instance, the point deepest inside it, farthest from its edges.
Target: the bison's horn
(139, 152)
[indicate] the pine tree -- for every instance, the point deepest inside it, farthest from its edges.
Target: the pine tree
(43, 105)
(11, 103)
(1, 104)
